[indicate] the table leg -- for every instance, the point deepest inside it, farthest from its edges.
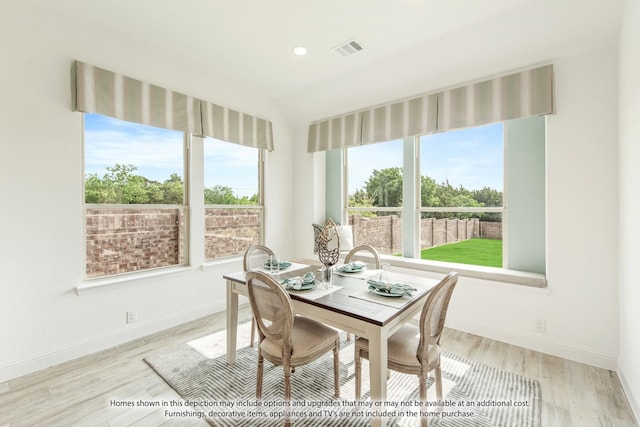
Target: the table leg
(232, 323)
(378, 372)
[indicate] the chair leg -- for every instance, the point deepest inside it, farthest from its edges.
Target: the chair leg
(259, 375)
(422, 379)
(438, 380)
(336, 367)
(358, 367)
(287, 392)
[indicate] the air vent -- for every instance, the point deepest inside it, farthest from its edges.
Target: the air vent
(348, 48)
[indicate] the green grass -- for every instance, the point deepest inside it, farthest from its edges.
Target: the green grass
(487, 252)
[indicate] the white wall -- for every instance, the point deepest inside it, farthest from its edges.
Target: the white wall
(42, 320)
(580, 305)
(628, 366)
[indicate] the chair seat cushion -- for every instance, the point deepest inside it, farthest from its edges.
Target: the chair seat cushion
(309, 338)
(402, 347)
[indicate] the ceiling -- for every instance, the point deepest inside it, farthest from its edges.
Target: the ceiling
(250, 42)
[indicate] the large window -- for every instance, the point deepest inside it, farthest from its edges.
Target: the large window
(135, 210)
(461, 195)
(375, 186)
(448, 193)
(232, 197)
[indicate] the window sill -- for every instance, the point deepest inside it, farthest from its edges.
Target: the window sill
(516, 277)
(92, 286)
(211, 264)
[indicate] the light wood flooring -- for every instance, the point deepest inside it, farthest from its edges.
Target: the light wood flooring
(77, 393)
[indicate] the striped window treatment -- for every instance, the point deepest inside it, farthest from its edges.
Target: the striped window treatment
(525, 94)
(518, 95)
(114, 95)
(343, 131)
(232, 126)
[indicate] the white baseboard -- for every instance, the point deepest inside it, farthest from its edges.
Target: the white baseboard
(635, 405)
(537, 342)
(131, 332)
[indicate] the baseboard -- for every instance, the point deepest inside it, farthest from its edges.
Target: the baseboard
(537, 342)
(131, 332)
(626, 387)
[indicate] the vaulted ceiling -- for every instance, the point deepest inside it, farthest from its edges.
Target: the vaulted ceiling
(407, 44)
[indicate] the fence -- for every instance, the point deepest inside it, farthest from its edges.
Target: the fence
(385, 232)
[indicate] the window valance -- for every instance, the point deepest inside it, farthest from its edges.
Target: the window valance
(115, 95)
(517, 95)
(233, 126)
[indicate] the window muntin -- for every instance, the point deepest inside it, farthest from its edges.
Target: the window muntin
(134, 197)
(233, 198)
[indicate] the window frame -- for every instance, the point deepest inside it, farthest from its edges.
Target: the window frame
(108, 278)
(260, 207)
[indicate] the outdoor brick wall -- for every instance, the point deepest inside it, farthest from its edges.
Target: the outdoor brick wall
(229, 232)
(385, 232)
(151, 238)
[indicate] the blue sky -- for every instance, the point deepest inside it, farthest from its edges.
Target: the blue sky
(470, 157)
(158, 153)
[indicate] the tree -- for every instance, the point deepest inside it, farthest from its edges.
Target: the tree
(219, 195)
(384, 187)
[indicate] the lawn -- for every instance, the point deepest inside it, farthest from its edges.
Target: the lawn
(487, 252)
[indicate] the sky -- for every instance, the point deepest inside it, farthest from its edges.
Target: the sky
(157, 153)
(470, 157)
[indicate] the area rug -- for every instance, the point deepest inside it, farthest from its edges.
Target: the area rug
(474, 394)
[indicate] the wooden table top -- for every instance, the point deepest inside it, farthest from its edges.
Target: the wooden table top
(342, 301)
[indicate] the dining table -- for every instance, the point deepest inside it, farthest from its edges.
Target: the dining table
(348, 305)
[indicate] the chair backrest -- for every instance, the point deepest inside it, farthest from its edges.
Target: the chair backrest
(374, 252)
(434, 313)
(255, 255)
(272, 309)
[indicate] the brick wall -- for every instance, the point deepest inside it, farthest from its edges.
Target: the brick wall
(150, 238)
(385, 232)
(229, 232)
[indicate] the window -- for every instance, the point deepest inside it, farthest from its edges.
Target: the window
(134, 197)
(232, 197)
(375, 186)
(461, 195)
(453, 204)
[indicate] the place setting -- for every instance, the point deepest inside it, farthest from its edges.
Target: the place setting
(309, 286)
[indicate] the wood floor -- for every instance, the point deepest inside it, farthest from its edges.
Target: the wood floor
(77, 393)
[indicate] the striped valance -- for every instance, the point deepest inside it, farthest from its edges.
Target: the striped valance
(114, 95)
(529, 93)
(415, 116)
(343, 131)
(230, 125)
(518, 95)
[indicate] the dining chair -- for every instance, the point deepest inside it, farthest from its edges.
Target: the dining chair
(255, 256)
(413, 350)
(376, 260)
(285, 339)
(366, 248)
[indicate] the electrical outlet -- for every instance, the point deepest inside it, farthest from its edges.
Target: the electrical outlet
(132, 316)
(541, 325)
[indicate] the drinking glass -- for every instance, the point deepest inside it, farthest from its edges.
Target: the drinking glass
(384, 274)
(274, 264)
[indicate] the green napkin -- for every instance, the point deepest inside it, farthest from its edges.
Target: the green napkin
(391, 288)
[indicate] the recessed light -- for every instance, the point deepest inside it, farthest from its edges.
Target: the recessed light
(300, 50)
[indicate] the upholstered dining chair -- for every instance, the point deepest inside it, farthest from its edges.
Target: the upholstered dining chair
(285, 339)
(413, 350)
(255, 256)
(376, 261)
(365, 248)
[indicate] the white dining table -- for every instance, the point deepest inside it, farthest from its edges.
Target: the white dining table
(346, 308)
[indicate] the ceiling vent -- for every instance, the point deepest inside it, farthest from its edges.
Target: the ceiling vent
(348, 48)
